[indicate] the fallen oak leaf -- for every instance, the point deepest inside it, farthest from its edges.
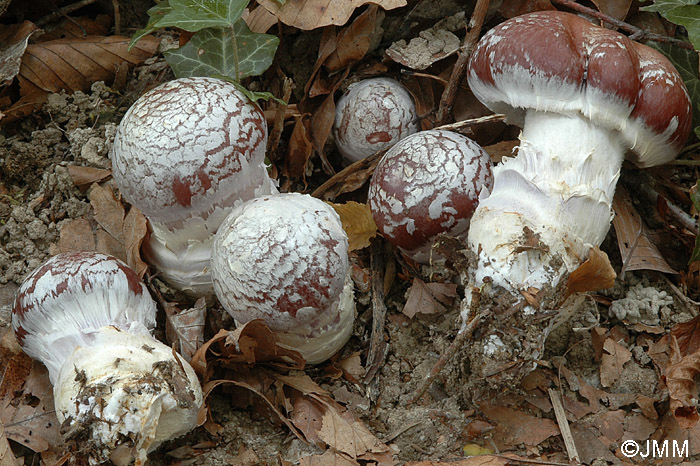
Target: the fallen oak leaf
(72, 64)
(357, 222)
(614, 358)
(679, 377)
(428, 298)
(312, 14)
(185, 328)
(84, 177)
(344, 433)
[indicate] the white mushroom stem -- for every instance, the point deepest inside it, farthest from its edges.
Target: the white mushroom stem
(560, 186)
(126, 386)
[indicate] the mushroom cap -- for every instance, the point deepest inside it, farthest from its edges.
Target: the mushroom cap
(428, 183)
(281, 258)
(553, 61)
(190, 148)
(372, 115)
(65, 302)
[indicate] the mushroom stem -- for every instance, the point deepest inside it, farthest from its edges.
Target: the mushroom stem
(549, 204)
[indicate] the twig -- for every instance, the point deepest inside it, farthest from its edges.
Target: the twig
(449, 95)
(564, 428)
(375, 355)
(636, 33)
(690, 305)
(64, 12)
(117, 18)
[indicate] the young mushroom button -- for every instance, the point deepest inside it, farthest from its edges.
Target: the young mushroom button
(372, 115)
(284, 259)
(584, 96)
(185, 154)
(428, 183)
(118, 392)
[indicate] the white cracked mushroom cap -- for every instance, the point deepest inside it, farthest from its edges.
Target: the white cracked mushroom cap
(372, 115)
(284, 259)
(428, 183)
(65, 302)
(118, 392)
(185, 154)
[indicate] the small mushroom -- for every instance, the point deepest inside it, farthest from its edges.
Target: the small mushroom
(586, 98)
(185, 154)
(118, 392)
(284, 259)
(428, 183)
(372, 115)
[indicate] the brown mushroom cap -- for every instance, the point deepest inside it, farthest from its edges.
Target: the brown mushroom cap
(553, 61)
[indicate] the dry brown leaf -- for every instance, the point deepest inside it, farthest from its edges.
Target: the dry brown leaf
(307, 415)
(679, 377)
(636, 249)
(135, 230)
(596, 273)
(7, 458)
(328, 458)
(609, 424)
(13, 43)
(72, 64)
(357, 222)
(300, 149)
(27, 412)
(618, 9)
(687, 334)
(428, 298)
(515, 427)
(259, 20)
(352, 367)
(484, 460)
(185, 328)
(109, 211)
(84, 177)
(76, 235)
(354, 40)
(251, 343)
(614, 358)
(348, 435)
(646, 404)
(312, 14)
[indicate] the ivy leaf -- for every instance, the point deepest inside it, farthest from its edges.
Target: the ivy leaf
(686, 62)
(154, 15)
(195, 15)
(663, 7)
(234, 51)
(685, 13)
(252, 95)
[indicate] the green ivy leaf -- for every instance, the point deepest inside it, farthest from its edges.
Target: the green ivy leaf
(234, 51)
(685, 13)
(665, 6)
(195, 15)
(686, 62)
(252, 95)
(155, 14)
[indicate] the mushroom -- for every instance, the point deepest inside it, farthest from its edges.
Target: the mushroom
(185, 154)
(118, 392)
(427, 184)
(372, 115)
(584, 96)
(284, 259)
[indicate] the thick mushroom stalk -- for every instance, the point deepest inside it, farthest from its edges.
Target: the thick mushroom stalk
(186, 153)
(584, 97)
(284, 259)
(118, 392)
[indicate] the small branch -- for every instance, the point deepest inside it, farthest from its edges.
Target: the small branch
(460, 68)
(65, 11)
(564, 428)
(635, 32)
(376, 353)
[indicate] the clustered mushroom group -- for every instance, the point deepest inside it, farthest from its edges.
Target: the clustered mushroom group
(190, 155)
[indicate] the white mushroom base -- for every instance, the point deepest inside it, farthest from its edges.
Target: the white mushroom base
(125, 394)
